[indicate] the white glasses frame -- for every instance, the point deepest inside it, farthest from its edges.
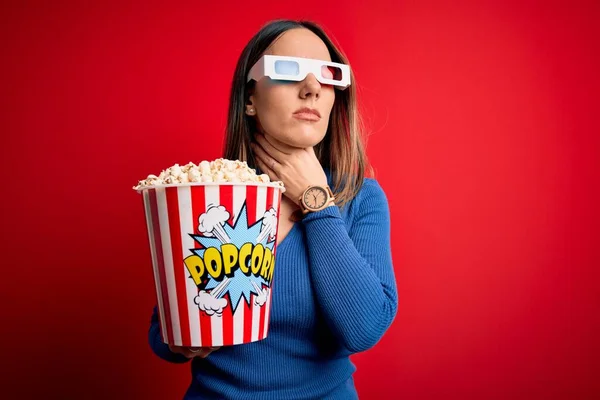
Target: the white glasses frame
(265, 66)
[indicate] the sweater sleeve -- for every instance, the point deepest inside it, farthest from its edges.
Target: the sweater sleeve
(352, 271)
(157, 345)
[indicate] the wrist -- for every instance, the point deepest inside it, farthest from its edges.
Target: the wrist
(316, 198)
(325, 214)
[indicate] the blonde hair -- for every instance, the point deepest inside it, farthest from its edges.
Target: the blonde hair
(341, 151)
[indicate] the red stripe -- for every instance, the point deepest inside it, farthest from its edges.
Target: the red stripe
(277, 229)
(275, 258)
(260, 214)
(251, 204)
(247, 318)
(178, 265)
(267, 324)
(270, 191)
(253, 216)
(226, 200)
(161, 264)
(205, 329)
(199, 208)
(227, 322)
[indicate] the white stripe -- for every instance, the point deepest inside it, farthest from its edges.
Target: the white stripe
(239, 196)
(276, 194)
(211, 196)
(163, 218)
(186, 220)
(151, 238)
(261, 202)
(267, 312)
(238, 323)
(255, 319)
(216, 322)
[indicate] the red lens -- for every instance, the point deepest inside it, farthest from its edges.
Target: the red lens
(330, 72)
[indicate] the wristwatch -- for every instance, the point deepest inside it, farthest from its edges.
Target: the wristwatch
(316, 198)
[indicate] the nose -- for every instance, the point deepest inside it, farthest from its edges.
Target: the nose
(310, 87)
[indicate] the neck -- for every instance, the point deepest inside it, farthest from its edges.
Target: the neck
(289, 204)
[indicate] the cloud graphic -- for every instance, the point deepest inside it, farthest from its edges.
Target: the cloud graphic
(269, 225)
(261, 299)
(211, 305)
(212, 221)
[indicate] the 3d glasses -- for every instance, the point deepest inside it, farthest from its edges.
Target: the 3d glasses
(296, 69)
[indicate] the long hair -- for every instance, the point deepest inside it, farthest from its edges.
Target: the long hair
(341, 151)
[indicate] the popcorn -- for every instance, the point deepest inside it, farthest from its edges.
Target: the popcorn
(263, 178)
(194, 175)
(219, 170)
(205, 167)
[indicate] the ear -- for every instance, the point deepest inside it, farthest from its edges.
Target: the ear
(250, 108)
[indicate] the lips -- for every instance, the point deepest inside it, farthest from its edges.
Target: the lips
(308, 114)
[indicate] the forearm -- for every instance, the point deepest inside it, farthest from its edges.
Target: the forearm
(355, 289)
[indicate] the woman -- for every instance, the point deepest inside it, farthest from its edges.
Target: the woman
(293, 116)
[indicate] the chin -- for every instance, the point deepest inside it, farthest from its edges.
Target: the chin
(305, 138)
(299, 143)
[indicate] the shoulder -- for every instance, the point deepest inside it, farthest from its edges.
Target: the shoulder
(369, 189)
(370, 195)
(371, 198)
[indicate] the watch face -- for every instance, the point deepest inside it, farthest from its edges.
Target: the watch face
(315, 197)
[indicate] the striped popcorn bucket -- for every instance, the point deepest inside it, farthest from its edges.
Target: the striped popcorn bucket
(213, 251)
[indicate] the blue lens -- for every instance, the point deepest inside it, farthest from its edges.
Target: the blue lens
(283, 67)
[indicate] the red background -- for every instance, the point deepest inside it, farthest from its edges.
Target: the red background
(483, 122)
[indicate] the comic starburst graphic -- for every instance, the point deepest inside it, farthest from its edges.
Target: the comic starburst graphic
(240, 285)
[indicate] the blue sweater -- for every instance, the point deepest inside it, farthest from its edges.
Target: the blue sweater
(334, 295)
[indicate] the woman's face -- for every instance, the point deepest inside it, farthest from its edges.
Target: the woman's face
(274, 104)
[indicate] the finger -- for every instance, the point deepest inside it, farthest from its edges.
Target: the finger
(191, 352)
(265, 169)
(178, 349)
(271, 162)
(271, 149)
(266, 163)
